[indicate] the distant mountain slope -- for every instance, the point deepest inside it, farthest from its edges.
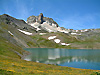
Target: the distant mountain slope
(16, 34)
(19, 33)
(10, 25)
(45, 23)
(36, 33)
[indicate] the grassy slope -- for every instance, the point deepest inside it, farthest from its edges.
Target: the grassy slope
(36, 40)
(92, 42)
(11, 64)
(43, 41)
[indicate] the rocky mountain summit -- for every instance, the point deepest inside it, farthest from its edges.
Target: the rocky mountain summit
(41, 19)
(48, 24)
(41, 22)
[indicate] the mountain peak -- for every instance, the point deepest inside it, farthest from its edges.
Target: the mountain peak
(40, 19)
(41, 14)
(6, 14)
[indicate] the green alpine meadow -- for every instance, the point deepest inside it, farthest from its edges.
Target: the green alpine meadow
(49, 37)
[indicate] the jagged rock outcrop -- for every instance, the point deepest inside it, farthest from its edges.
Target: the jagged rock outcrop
(48, 24)
(43, 23)
(50, 21)
(40, 19)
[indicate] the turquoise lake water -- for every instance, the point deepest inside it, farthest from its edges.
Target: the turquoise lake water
(77, 58)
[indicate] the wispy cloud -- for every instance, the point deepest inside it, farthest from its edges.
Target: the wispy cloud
(70, 17)
(31, 9)
(21, 9)
(77, 21)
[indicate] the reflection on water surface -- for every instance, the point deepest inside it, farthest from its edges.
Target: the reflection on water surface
(86, 59)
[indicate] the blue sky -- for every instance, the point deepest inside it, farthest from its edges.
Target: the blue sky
(72, 14)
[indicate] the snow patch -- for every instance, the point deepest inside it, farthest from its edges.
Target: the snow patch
(65, 44)
(51, 37)
(42, 33)
(61, 30)
(35, 25)
(73, 33)
(27, 33)
(57, 40)
(37, 61)
(26, 21)
(10, 33)
(49, 27)
(38, 29)
(27, 59)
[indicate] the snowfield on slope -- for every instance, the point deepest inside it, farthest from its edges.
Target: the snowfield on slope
(10, 33)
(57, 40)
(51, 37)
(27, 33)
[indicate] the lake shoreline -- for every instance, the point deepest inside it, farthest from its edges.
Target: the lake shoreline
(69, 48)
(23, 55)
(77, 56)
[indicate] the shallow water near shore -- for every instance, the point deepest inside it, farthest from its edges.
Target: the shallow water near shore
(77, 58)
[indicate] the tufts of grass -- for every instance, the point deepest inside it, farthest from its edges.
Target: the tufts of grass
(5, 72)
(3, 25)
(29, 43)
(96, 73)
(7, 49)
(11, 64)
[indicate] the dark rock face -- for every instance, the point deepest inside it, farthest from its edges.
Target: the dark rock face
(11, 21)
(40, 19)
(33, 19)
(50, 21)
(8, 23)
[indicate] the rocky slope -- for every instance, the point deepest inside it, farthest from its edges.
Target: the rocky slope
(9, 30)
(37, 33)
(16, 34)
(45, 23)
(19, 33)
(41, 19)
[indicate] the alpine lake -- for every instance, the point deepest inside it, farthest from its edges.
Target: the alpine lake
(77, 58)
